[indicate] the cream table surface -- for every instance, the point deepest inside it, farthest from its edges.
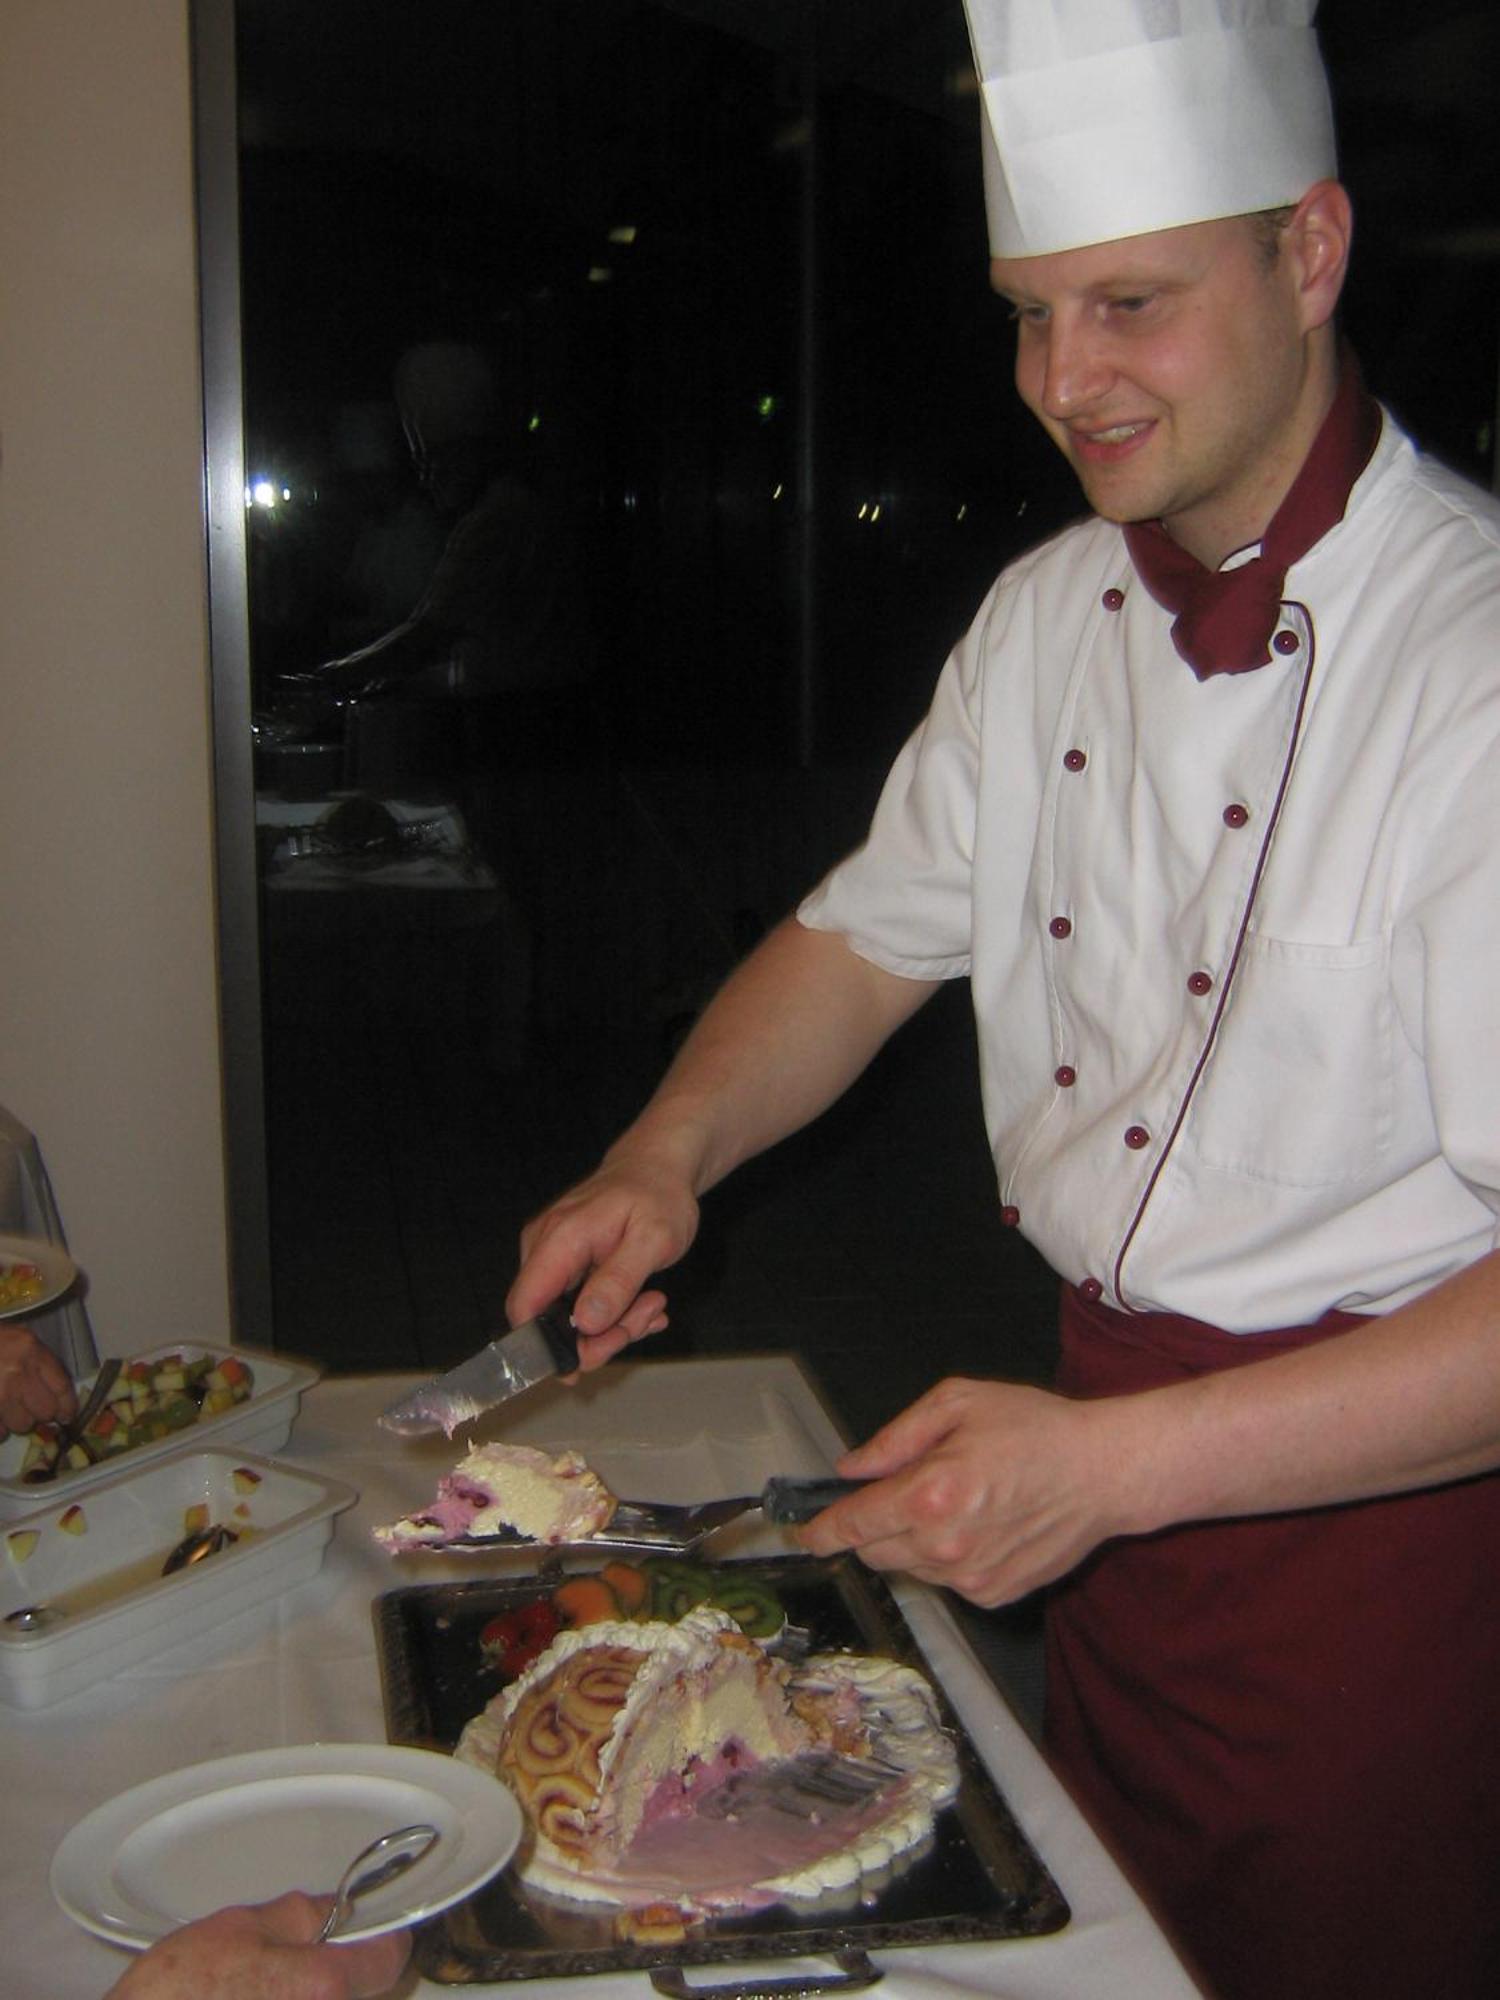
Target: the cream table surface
(303, 1669)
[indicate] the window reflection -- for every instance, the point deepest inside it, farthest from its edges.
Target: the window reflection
(628, 416)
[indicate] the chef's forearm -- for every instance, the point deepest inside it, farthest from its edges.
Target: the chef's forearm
(786, 1035)
(1409, 1400)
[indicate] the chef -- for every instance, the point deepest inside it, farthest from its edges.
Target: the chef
(1205, 808)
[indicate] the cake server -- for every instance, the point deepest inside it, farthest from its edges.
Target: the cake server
(517, 1361)
(655, 1527)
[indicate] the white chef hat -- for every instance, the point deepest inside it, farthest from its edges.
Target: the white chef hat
(1107, 118)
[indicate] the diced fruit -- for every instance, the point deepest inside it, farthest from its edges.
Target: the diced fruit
(754, 1607)
(585, 1600)
(38, 1455)
(195, 1518)
(72, 1521)
(242, 1510)
(21, 1541)
(630, 1584)
(150, 1400)
(245, 1480)
(21, 1281)
(512, 1639)
(539, 1621)
(676, 1586)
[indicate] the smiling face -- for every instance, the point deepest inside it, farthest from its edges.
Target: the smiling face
(1184, 375)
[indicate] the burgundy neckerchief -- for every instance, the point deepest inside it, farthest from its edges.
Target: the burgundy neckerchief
(1226, 617)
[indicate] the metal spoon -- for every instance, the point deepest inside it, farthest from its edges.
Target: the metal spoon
(74, 1429)
(194, 1547)
(377, 1863)
(34, 1617)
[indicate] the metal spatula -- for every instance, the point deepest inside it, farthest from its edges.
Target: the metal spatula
(656, 1527)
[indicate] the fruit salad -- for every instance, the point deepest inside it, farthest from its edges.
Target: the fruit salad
(661, 1587)
(20, 1283)
(148, 1400)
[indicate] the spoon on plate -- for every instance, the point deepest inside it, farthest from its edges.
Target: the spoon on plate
(382, 1860)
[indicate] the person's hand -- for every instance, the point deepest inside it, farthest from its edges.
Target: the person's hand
(990, 1488)
(35, 1388)
(608, 1235)
(265, 1951)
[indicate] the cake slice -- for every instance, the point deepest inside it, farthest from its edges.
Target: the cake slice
(499, 1487)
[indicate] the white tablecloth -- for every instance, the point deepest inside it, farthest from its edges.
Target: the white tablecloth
(303, 1669)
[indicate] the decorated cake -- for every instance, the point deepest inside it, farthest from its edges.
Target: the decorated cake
(684, 1764)
(508, 1487)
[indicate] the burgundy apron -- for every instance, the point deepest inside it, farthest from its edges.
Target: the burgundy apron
(1288, 1727)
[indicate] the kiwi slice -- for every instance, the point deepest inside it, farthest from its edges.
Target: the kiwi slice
(754, 1607)
(676, 1586)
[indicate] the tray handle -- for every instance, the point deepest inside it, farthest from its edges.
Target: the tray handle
(855, 1972)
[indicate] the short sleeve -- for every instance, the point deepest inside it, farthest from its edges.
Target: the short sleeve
(904, 898)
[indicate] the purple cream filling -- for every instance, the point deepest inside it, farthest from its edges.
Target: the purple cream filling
(454, 1507)
(679, 1848)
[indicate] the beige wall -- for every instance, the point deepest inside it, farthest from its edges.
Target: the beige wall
(108, 1012)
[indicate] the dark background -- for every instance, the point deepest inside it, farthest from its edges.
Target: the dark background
(801, 178)
(780, 424)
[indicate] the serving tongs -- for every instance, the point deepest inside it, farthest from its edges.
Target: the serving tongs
(655, 1527)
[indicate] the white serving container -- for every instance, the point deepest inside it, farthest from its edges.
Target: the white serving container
(132, 1522)
(263, 1422)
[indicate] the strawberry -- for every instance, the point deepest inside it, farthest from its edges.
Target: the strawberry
(511, 1640)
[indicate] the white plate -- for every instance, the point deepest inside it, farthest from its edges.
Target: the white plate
(244, 1829)
(56, 1266)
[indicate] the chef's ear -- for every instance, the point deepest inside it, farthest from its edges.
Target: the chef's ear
(1315, 244)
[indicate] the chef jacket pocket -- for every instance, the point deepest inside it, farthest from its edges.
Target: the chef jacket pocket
(1299, 1088)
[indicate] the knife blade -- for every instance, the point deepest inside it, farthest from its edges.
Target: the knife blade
(517, 1361)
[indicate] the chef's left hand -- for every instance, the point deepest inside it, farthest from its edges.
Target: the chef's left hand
(990, 1488)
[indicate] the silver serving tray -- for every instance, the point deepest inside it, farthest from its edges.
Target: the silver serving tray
(978, 1879)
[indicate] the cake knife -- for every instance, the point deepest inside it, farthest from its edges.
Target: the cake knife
(517, 1361)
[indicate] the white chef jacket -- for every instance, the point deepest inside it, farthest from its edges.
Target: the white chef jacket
(1234, 945)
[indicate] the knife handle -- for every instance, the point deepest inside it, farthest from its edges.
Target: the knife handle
(556, 1329)
(791, 1500)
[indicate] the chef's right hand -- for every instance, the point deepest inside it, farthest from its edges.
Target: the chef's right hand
(607, 1237)
(35, 1388)
(265, 1951)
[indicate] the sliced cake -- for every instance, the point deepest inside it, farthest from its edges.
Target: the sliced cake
(499, 1487)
